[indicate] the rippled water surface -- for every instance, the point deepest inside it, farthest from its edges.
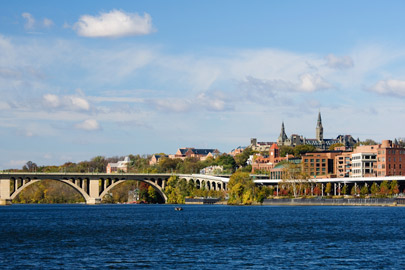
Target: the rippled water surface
(201, 237)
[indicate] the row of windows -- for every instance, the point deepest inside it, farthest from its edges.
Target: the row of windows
(317, 160)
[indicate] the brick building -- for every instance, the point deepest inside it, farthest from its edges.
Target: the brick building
(390, 159)
(320, 164)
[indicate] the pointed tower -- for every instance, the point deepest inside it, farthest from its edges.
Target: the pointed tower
(319, 128)
(283, 137)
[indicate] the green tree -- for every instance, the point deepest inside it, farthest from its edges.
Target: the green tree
(151, 194)
(241, 188)
(344, 190)
(334, 145)
(364, 190)
(300, 150)
(374, 189)
(328, 188)
(284, 150)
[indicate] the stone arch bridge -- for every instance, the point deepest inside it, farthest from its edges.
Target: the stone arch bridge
(94, 186)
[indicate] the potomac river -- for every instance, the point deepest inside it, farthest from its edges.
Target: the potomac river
(201, 237)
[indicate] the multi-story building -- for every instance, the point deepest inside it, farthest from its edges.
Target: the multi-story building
(260, 146)
(319, 142)
(363, 164)
(343, 164)
(266, 163)
(238, 150)
(319, 164)
(120, 166)
(201, 154)
(390, 159)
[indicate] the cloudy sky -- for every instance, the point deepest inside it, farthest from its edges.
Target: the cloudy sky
(85, 78)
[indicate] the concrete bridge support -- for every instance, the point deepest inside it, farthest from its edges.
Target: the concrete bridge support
(5, 198)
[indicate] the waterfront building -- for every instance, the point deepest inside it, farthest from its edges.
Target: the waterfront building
(343, 164)
(120, 166)
(390, 159)
(320, 164)
(364, 158)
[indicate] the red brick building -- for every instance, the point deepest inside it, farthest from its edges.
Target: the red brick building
(390, 159)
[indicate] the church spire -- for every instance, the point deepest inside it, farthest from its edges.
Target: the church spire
(319, 128)
(283, 137)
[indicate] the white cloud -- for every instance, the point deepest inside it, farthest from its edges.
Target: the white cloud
(214, 102)
(51, 100)
(47, 23)
(311, 83)
(390, 87)
(78, 103)
(89, 125)
(114, 24)
(66, 102)
(30, 21)
(336, 62)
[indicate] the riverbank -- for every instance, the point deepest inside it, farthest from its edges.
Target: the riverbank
(340, 202)
(314, 201)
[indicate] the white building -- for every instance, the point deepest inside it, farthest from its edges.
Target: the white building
(120, 166)
(363, 164)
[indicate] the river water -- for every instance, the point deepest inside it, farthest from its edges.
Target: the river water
(201, 237)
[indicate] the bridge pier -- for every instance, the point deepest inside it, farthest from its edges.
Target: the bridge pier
(5, 198)
(93, 201)
(94, 192)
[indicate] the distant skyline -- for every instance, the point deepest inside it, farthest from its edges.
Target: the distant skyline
(80, 79)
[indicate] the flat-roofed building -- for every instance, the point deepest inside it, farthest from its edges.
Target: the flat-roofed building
(319, 164)
(390, 159)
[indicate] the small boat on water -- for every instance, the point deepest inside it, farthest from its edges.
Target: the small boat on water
(178, 208)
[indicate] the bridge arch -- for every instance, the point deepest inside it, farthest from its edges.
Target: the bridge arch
(149, 182)
(17, 191)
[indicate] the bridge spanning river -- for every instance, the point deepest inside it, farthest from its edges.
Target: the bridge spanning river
(94, 186)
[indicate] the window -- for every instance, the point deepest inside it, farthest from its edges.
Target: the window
(317, 160)
(323, 160)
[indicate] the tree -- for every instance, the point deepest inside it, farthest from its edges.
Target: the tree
(334, 145)
(384, 188)
(30, 167)
(242, 158)
(368, 142)
(241, 188)
(284, 150)
(328, 188)
(294, 178)
(374, 189)
(151, 194)
(364, 190)
(355, 190)
(300, 150)
(227, 161)
(344, 190)
(394, 189)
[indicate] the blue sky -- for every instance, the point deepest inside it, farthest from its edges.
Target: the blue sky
(85, 78)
